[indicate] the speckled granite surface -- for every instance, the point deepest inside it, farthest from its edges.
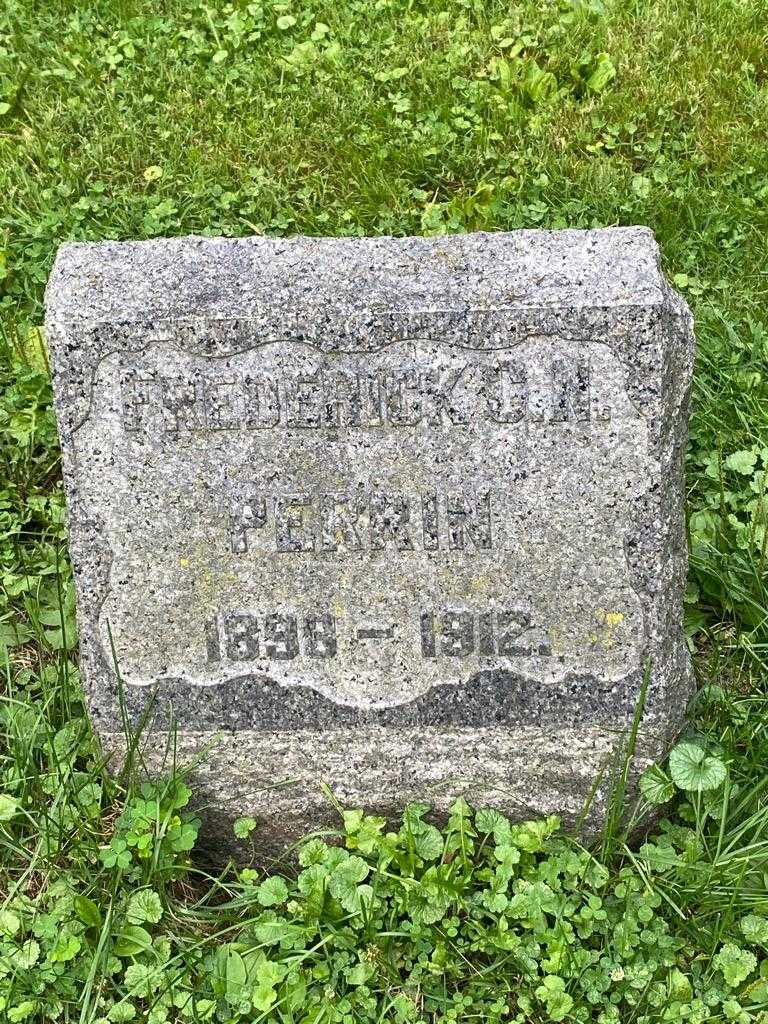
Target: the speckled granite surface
(403, 516)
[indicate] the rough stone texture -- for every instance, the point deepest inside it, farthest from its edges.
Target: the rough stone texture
(403, 516)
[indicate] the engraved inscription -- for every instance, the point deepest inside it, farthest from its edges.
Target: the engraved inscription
(369, 524)
(448, 633)
(461, 633)
(354, 522)
(499, 391)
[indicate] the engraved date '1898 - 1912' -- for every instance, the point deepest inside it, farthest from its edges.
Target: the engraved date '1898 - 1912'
(448, 633)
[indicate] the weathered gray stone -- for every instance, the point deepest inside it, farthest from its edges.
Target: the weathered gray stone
(403, 516)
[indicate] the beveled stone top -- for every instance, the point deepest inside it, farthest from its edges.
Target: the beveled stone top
(203, 277)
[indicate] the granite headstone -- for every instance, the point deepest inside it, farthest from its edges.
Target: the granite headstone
(403, 516)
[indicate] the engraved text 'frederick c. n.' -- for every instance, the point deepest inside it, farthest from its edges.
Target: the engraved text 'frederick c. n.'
(217, 399)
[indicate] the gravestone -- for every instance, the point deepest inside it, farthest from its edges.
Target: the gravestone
(401, 516)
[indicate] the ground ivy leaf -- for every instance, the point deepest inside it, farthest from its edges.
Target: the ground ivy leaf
(139, 980)
(272, 891)
(743, 461)
(352, 820)
(243, 827)
(28, 955)
(489, 820)
(66, 948)
(656, 786)
(144, 905)
(754, 929)
(9, 922)
(313, 852)
(692, 768)
(735, 963)
(429, 843)
(122, 1013)
(346, 875)
(556, 1000)
(360, 973)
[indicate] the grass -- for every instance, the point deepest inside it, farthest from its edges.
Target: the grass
(133, 119)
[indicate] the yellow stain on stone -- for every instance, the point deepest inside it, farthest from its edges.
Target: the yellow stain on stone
(613, 619)
(184, 563)
(556, 640)
(480, 584)
(610, 621)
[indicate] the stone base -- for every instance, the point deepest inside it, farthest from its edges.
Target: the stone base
(289, 781)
